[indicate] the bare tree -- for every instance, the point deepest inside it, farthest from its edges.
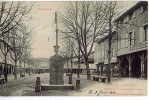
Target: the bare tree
(84, 21)
(26, 46)
(16, 44)
(4, 47)
(11, 13)
(70, 50)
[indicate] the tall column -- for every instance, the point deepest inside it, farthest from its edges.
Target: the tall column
(130, 73)
(101, 70)
(112, 72)
(97, 69)
(130, 66)
(142, 65)
(119, 66)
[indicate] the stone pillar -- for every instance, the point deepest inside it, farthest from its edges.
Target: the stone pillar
(70, 79)
(142, 66)
(130, 73)
(119, 66)
(56, 70)
(97, 69)
(38, 85)
(77, 84)
(101, 70)
(130, 66)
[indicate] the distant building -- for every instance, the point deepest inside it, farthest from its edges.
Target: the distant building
(43, 64)
(82, 68)
(101, 55)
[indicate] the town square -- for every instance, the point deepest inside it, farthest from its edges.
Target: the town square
(73, 48)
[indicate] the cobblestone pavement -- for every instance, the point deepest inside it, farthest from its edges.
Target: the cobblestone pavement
(119, 86)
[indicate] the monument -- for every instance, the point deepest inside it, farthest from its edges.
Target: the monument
(56, 81)
(56, 64)
(56, 70)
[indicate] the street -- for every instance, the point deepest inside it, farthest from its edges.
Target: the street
(119, 86)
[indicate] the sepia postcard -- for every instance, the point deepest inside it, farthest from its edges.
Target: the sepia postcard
(73, 48)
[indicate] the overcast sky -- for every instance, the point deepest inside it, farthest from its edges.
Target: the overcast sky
(44, 27)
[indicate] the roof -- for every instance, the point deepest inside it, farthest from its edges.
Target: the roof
(106, 37)
(131, 9)
(90, 58)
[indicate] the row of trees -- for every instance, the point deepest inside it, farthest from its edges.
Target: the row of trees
(83, 22)
(15, 34)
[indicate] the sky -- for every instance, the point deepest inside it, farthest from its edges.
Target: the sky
(44, 28)
(43, 23)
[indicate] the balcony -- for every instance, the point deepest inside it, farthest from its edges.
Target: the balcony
(138, 47)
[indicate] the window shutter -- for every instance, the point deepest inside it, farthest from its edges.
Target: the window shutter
(134, 14)
(141, 9)
(141, 34)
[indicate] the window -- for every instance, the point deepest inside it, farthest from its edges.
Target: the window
(106, 54)
(119, 43)
(143, 8)
(134, 14)
(131, 38)
(126, 40)
(123, 43)
(121, 21)
(145, 32)
(130, 15)
(112, 52)
(127, 18)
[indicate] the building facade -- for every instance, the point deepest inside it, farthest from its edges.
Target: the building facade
(43, 65)
(129, 48)
(101, 55)
(132, 42)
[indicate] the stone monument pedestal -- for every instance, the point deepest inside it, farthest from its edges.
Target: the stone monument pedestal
(57, 87)
(56, 81)
(56, 70)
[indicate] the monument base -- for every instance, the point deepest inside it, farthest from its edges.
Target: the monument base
(53, 82)
(57, 87)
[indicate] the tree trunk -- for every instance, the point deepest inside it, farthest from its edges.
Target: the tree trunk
(108, 69)
(24, 68)
(109, 48)
(20, 68)
(98, 69)
(71, 67)
(87, 69)
(5, 69)
(67, 68)
(15, 70)
(79, 64)
(72, 59)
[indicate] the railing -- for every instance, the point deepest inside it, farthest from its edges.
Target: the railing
(138, 47)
